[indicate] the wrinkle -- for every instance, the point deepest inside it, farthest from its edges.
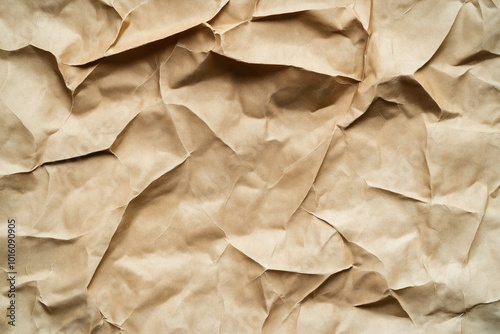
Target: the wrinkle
(121, 225)
(473, 241)
(305, 157)
(337, 75)
(382, 305)
(344, 238)
(224, 143)
(155, 35)
(396, 193)
(441, 46)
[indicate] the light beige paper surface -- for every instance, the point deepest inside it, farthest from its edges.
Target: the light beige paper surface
(250, 166)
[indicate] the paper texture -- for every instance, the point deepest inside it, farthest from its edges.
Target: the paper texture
(250, 166)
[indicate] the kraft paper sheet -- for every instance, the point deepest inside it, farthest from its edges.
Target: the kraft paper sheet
(250, 166)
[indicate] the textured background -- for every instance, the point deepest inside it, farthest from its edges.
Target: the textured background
(248, 166)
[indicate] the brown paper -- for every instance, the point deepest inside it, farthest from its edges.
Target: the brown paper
(250, 166)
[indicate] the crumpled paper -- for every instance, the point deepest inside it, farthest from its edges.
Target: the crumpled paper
(251, 166)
